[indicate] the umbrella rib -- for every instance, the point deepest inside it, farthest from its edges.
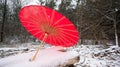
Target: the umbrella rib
(69, 38)
(64, 38)
(59, 43)
(29, 26)
(26, 21)
(68, 30)
(64, 25)
(54, 41)
(59, 20)
(39, 15)
(37, 33)
(34, 19)
(61, 39)
(69, 41)
(40, 36)
(32, 30)
(20, 16)
(46, 16)
(72, 39)
(52, 17)
(50, 39)
(45, 13)
(70, 34)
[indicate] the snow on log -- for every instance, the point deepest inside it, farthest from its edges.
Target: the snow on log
(50, 57)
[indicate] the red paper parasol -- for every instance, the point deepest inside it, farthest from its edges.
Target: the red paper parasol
(48, 25)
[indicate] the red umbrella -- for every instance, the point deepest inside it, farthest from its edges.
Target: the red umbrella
(48, 25)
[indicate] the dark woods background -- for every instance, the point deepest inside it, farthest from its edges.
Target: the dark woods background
(98, 21)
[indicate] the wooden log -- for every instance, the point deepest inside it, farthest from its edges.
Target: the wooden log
(70, 62)
(50, 57)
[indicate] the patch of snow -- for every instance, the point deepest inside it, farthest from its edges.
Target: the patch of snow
(73, 4)
(90, 56)
(97, 56)
(29, 2)
(57, 2)
(49, 57)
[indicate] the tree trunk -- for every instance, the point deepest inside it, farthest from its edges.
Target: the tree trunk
(116, 35)
(3, 21)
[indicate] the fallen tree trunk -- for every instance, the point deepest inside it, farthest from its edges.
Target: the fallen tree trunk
(70, 62)
(50, 57)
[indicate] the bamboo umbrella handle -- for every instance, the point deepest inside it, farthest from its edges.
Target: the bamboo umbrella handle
(34, 56)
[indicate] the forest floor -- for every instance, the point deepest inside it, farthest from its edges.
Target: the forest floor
(90, 55)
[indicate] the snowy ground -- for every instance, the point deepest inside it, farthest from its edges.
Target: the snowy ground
(90, 55)
(49, 57)
(98, 56)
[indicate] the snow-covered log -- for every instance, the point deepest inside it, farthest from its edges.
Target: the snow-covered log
(70, 62)
(50, 57)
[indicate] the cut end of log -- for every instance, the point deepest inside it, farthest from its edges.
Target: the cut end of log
(70, 62)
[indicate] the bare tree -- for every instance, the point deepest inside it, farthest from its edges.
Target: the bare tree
(3, 21)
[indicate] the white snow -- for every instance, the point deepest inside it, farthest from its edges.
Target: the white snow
(29, 2)
(49, 57)
(90, 56)
(57, 2)
(98, 56)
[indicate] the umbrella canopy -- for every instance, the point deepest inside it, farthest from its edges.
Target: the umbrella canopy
(41, 21)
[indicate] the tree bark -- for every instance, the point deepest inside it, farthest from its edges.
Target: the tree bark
(3, 21)
(116, 35)
(70, 62)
